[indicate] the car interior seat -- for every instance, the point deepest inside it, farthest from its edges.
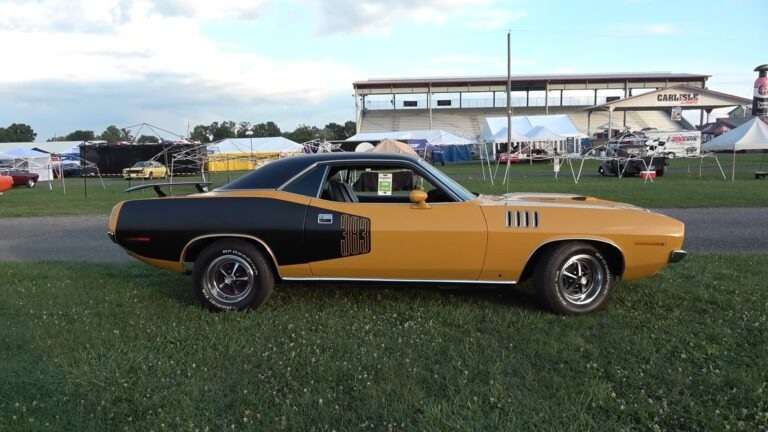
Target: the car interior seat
(340, 191)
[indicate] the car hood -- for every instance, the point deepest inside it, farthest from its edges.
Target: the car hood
(552, 200)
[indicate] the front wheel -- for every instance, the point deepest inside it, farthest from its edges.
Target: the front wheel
(31, 183)
(232, 275)
(574, 278)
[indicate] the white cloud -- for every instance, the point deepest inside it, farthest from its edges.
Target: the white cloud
(492, 19)
(137, 41)
(379, 16)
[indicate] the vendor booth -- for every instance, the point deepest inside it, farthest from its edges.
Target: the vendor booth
(241, 154)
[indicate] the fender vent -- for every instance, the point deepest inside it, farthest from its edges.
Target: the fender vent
(522, 219)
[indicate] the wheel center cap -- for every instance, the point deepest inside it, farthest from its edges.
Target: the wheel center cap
(228, 280)
(583, 280)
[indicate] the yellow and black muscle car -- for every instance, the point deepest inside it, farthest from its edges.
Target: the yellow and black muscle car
(381, 217)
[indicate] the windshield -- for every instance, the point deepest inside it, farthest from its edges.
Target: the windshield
(452, 184)
(141, 164)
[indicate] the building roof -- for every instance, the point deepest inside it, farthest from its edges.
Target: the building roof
(704, 98)
(526, 80)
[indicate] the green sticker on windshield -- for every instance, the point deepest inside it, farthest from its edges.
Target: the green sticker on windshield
(385, 184)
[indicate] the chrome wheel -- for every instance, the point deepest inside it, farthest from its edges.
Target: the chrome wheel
(581, 279)
(229, 278)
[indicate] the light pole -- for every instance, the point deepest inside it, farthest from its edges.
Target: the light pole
(249, 134)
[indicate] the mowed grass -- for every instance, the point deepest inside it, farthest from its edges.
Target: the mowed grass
(680, 187)
(126, 347)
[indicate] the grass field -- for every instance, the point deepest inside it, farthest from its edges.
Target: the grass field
(126, 347)
(681, 187)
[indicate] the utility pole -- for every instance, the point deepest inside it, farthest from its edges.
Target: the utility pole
(509, 102)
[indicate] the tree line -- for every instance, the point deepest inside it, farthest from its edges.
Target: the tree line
(229, 129)
(218, 131)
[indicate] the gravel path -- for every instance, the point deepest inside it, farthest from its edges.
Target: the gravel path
(83, 238)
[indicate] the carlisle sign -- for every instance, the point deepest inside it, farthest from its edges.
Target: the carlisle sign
(677, 98)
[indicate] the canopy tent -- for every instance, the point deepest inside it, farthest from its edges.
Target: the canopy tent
(239, 154)
(255, 145)
(28, 160)
(392, 146)
(433, 137)
(559, 124)
(752, 135)
(548, 132)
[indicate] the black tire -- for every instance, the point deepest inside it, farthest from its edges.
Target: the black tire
(220, 295)
(554, 288)
(150, 176)
(601, 171)
(31, 183)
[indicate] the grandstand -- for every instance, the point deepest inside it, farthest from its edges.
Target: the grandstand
(460, 105)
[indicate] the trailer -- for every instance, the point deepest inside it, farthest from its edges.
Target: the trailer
(672, 144)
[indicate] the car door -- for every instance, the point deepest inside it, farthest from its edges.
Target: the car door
(395, 239)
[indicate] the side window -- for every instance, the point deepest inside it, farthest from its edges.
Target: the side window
(378, 184)
(308, 184)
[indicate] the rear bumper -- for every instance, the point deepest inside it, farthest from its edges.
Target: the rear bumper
(677, 255)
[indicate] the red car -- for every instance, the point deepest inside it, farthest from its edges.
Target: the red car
(5, 183)
(22, 178)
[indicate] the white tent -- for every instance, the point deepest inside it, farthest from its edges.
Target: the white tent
(28, 160)
(433, 137)
(62, 147)
(752, 135)
(257, 145)
(559, 124)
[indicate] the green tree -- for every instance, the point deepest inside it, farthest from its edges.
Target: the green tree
(112, 134)
(80, 135)
(350, 128)
(242, 129)
(223, 130)
(334, 131)
(200, 134)
(148, 139)
(17, 132)
(303, 133)
(268, 129)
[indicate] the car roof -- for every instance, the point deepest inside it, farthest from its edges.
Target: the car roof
(276, 173)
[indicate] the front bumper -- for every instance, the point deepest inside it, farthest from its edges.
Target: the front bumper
(677, 255)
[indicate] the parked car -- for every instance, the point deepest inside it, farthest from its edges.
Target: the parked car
(145, 170)
(320, 217)
(630, 160)
(21, 178)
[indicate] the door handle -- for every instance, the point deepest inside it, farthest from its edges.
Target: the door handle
(325, 218)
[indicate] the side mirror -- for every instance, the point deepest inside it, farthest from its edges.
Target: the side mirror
(419, 198)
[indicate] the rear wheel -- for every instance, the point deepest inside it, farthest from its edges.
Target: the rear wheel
(232, 275)
(573, 279)
(31, 183)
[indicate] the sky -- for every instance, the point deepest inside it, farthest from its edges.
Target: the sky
(86, 64)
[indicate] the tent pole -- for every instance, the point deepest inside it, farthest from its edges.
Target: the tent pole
(733, 167)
